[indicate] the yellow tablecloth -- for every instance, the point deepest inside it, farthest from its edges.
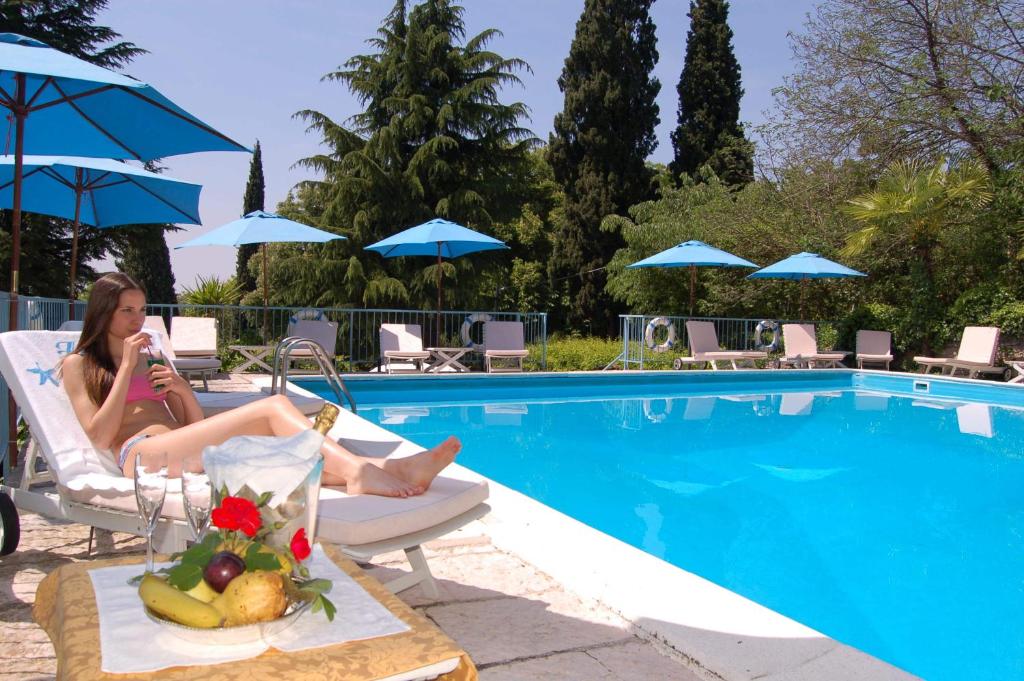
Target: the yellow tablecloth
(65, 607)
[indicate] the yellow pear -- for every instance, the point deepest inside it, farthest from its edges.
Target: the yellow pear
(252, 597)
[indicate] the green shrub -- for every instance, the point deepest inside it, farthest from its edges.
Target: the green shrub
(575, 353)
(1009, 318)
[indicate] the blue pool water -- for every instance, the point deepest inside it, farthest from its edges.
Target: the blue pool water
(881, 513)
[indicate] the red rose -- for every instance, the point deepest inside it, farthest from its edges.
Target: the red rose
(236, 513)
(299, 546)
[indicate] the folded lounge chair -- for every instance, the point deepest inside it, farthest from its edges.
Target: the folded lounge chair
(978, 353)
(874, 347)
(204, 367)
(504, 341)
(802, 348)
(401, 344)
(90, 488)
(704, 349)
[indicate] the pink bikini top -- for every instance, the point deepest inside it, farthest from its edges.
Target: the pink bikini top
(139, 389)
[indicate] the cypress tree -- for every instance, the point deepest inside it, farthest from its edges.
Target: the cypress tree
(69, 26)
(145, 258)
(253, 200)
(599, 147)
(708, 130)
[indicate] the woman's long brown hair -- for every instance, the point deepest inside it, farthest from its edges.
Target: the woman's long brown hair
(98, 365)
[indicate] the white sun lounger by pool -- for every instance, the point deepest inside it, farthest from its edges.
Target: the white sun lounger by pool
(874, 347)
(704, 349)
(978, 353)
(401, 344)
(504, 341)
(802, 348)
(91, 489)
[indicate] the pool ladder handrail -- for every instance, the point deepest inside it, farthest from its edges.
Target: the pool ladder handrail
(282, 356)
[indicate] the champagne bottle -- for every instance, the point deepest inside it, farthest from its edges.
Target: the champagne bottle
(325, 419)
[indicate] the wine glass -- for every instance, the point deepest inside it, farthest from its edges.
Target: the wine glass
(195, 495)
(150, 490)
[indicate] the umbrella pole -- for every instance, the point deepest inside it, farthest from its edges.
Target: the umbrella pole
(266, 295)
(439, 294)
(693, 285)
(20, 112)
(74, 242)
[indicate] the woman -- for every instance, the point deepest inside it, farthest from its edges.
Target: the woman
(129, 408)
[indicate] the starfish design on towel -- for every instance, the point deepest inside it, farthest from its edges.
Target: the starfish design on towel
(44, 374)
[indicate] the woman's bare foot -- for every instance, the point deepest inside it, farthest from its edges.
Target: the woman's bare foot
(368, 479)
(421, 469)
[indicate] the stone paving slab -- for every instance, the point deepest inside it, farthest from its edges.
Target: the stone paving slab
(617, 662)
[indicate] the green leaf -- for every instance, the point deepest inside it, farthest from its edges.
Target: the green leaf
(259, 560)
(264, 498)
(197, 554)
(184, 576)
(329, 608)
(316, 586)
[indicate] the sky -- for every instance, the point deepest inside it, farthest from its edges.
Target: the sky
(246, 66)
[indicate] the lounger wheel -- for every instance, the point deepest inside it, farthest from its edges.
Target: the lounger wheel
(677, 364)
(10, 527)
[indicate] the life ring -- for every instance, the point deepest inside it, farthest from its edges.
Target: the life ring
(308, 313)
(649, 334)
(657, 416)
(762, 326)
(467, 325)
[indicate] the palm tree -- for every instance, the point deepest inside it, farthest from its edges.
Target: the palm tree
(914, 202)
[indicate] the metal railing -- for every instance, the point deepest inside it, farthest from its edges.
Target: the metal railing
(733, 333)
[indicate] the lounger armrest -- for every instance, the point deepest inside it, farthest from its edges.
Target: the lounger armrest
(864, 355)
(933, 360)
(506, 353)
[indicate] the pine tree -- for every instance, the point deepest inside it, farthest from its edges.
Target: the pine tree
(433, 140)
(598, 150)
(709, 89)
(69, 26)
(253, 200)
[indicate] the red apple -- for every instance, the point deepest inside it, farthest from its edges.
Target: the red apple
(221, 569)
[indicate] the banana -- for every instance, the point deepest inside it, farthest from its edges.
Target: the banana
(177, 605)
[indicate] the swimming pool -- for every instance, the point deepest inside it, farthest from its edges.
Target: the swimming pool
(884, 510)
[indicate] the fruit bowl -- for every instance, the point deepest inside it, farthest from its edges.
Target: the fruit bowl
(229, 636)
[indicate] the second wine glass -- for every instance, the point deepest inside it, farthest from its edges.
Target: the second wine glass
(195, 495)
(150, 490)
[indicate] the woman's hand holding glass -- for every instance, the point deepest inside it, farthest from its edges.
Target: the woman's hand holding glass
(164, 379)
(195, 495)
(150, 490)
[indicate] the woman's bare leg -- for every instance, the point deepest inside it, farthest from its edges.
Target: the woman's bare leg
(278, 416)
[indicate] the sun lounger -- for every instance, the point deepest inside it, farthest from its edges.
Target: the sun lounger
(401, 348)
(90, 489)
(874, 347)
(204, 367)
(323, 332)
(978, 353)
(802, 348)
(704, 349)
(504, 341)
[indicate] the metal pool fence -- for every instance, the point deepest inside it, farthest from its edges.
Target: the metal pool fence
(733, 334)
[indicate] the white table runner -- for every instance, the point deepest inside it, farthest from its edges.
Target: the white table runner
(130, 642)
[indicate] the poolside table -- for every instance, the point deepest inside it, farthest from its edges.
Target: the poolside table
(65, 607)
(254, 356)
(442, 358)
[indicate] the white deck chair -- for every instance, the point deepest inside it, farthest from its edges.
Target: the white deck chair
(203, 367)
(704, 349)
(699, 408)
(802, 348)
(90, 489)
(874, 347)
(401, 348)
(323, 332)
(194, 336)
(978, 353)
(71, 325)
(796, 404)
(975, 419)
(504, 341)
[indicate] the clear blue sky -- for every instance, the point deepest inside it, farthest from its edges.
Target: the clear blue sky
(246, 67)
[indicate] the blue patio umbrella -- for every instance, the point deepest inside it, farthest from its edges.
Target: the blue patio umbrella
(60, 104)
(804, 266)
(440, 238)
(114, 193)
(693, 254)
(261, 227)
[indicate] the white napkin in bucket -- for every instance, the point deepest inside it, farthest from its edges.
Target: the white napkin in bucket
(263, 463)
